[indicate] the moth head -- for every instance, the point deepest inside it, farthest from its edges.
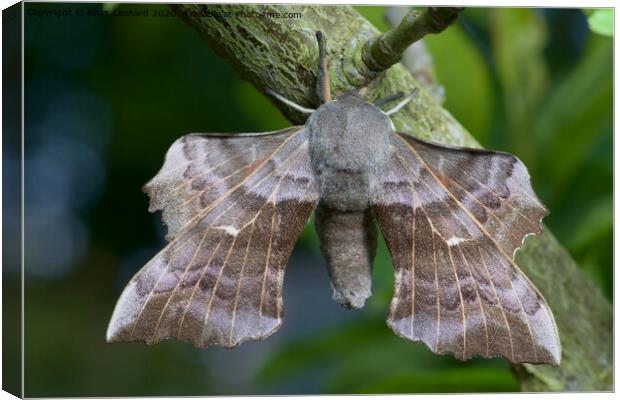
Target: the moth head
(351, 115)
(351, 104)
(323, 85)
(351, 97)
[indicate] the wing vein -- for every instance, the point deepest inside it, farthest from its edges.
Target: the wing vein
(412, 264)
(210, 185)
(237, 186)
(527, 319)
(501, 305)
(458, 284)
(505, 202)
(484, 318)
(267, 259)
(412, 271)
(191, 297)
(486, 208)
(436, 294)
(215, 287)
(211, 169)
(148, 297)
(234, 311)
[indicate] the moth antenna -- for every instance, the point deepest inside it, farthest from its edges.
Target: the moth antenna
(403, 103)
(381, 102)
(288, 102)
(323, 89)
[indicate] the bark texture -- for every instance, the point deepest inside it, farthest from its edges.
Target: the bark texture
(281, 53)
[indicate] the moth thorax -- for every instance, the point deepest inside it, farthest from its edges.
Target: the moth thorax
(349, 143)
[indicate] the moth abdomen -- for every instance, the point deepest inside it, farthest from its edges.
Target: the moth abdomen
(348, 244)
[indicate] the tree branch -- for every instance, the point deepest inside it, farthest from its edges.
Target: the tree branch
(386, 50)
(281, 54)
(416, 58)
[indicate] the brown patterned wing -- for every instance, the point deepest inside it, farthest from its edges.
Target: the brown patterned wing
(493, 187)
(452, 219)
(219, 281)
(200, 168)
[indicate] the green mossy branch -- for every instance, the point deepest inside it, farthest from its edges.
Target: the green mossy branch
(385, 50)
(281, 54)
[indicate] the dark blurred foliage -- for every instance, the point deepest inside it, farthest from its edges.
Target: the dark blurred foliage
(106, 96)
(11, 197)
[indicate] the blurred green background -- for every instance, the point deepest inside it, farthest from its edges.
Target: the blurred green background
(106, 96)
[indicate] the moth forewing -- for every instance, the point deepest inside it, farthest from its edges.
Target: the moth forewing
(200, 168)
(243, 202)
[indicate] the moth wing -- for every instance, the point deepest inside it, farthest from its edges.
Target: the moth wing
(219, 280)
(452, 219)
(200, 168)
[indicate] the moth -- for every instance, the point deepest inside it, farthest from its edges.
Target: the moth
(235, 204)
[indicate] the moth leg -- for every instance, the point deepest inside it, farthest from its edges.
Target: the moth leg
(383, 101)
(288, 102)
(403, 103)
(322, 79)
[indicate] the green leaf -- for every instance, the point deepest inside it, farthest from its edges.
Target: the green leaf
(601, 21)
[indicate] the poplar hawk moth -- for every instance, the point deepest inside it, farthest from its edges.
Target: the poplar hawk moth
(235, 204)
